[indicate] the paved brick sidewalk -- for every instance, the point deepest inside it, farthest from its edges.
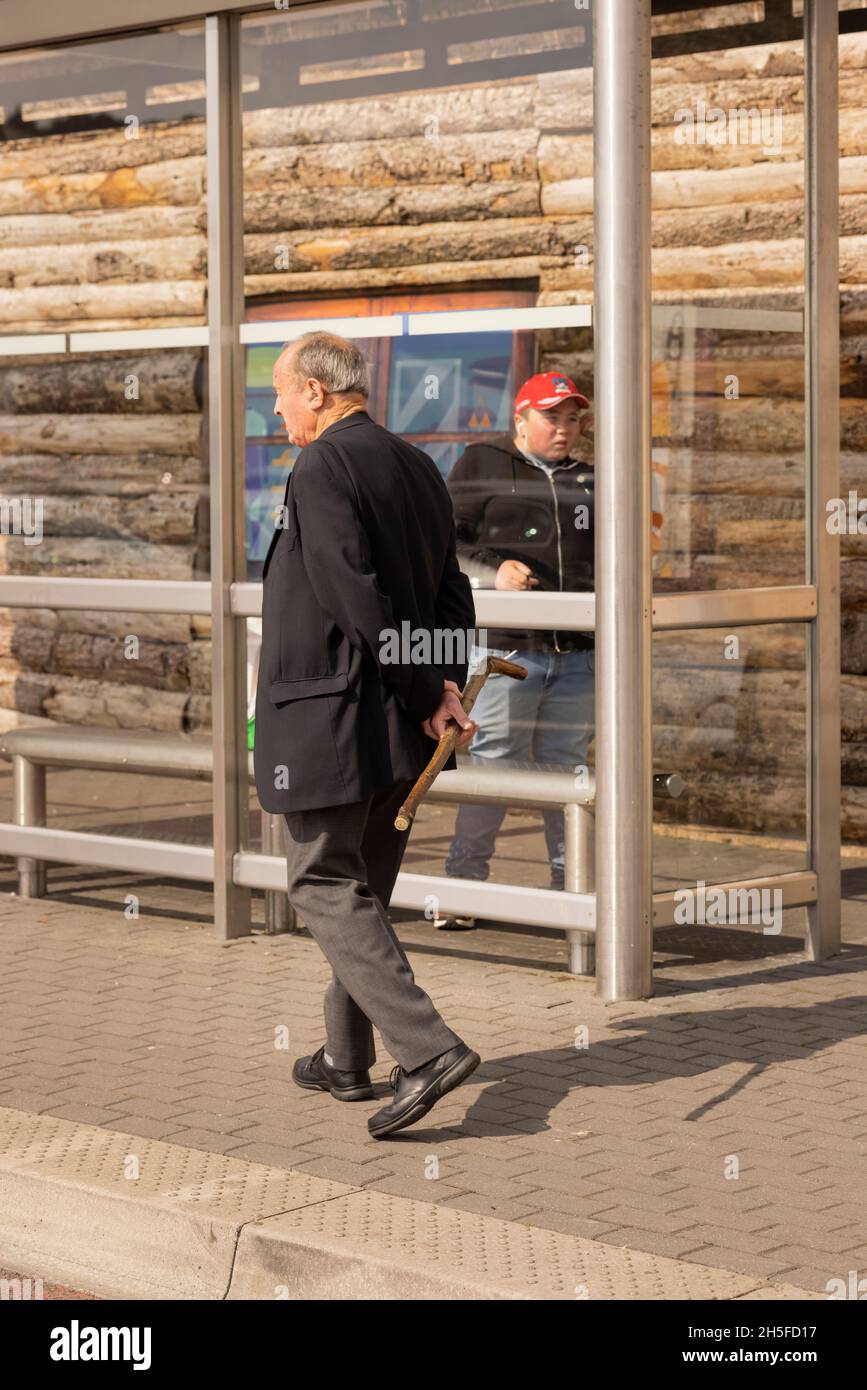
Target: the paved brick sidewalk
(748, 1059)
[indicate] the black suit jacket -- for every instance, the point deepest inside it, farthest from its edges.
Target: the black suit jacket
(361, 589)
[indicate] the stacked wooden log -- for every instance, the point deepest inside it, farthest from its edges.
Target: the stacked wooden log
(729, 423)
(453, 188)
(110, 444)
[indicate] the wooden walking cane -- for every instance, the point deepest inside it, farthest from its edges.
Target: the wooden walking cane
(405, 816)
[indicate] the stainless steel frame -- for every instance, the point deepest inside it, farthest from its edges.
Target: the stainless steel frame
(627, 610)
(107, 595)
(28, 795)
(796, 603)
(52, 21)
(28, 344)
(127, 853)
(822, 366)
(226, 441)
(420, 324)
(796, 889)
(33, 751)
(621, 211)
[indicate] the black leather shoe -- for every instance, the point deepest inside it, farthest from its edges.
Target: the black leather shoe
(315, 1074)
(415, 1092)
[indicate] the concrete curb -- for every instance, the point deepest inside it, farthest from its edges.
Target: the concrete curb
(127, 1217)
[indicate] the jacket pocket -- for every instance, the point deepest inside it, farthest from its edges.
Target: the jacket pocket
(303, 648)
(279, 691)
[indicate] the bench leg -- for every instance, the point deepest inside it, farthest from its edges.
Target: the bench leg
(279, 914)
(580, 877)
(28, 788)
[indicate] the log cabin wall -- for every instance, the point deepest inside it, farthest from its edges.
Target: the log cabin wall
(475, 185)
(98, 231)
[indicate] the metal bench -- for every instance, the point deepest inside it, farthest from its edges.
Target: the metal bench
(532, 786)
(32, 751)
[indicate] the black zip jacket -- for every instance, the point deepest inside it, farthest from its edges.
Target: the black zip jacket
(508, 508)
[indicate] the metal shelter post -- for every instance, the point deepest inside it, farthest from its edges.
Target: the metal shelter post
(822, 367)
(226, 443)
(28, 794)
(580, 841)
(621, 210)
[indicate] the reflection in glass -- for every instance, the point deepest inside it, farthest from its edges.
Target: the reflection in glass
(398, 162)
(439, 391)
(105, 143)
(729, 716)
(728, 449)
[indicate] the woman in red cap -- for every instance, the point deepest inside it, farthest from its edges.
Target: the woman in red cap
(524, 521)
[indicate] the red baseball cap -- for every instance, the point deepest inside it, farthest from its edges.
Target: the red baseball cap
(547, 389)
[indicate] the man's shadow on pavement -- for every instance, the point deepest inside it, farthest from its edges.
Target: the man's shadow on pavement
(769, 1035)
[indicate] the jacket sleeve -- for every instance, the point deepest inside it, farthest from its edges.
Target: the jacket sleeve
(478, 563)
(456, 612)
(337, 559)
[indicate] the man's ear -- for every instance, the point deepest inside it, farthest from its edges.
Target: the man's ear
(315, 393)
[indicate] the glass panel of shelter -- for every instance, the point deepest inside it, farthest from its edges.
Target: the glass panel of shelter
(393, 170)
(730, 474)
(433, 194)
(729, 703)
(103, 459)
(332, 215)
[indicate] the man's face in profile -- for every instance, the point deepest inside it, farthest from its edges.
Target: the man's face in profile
(296, 401)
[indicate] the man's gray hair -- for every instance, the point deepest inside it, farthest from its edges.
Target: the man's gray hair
(333, 360)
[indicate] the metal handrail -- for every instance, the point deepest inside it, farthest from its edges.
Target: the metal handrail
(186, 755)
(567, 612)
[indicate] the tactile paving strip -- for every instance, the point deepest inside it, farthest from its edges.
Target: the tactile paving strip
(118, 1214)
(167, 1173)
(524, 1261)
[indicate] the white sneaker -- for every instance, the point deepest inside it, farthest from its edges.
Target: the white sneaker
(453, 923)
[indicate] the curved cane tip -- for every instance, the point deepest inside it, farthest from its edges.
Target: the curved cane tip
(401, 822)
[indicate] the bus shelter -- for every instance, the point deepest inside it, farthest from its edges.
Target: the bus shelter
(474, 193)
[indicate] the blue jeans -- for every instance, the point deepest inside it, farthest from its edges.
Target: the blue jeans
(545, 719)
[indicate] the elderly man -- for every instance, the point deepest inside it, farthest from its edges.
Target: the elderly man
(365, 552)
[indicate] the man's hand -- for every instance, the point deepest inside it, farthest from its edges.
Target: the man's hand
(514, 574)
(448, 709)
